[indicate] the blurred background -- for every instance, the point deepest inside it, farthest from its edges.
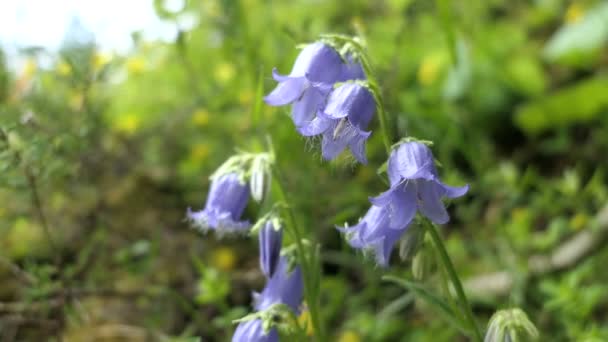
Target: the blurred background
(113, 114)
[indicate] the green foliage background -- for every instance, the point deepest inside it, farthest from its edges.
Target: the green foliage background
(102, 154)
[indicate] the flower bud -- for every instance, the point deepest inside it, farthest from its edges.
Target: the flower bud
(510, 325)
(260, 177)
(423, 263)
(410, 242)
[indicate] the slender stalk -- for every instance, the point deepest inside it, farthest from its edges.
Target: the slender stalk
(33, 183)
(443, 254)
(383, 126)
(307, 261)
(447, 263)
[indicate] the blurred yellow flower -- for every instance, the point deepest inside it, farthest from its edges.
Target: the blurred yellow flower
(212, 8)
(200, 152)
(135, 65)
(29, 69)
(357, 24)
(579, 221)
(364, 174)
(75, 100)
(224, 258)
(305, 322)
(245, 97)
(200, 117)
(64, 69)
(100, 59)
(520, 214)
(574, 13)
(429, 69)
(224, 72)
(349, 336)
(127, 124)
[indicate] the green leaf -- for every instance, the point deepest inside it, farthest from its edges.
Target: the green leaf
(581, 102)
(578, 44)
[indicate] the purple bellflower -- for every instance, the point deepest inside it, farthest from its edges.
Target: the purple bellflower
(270, 248)
(374, 233)
(350, 107)
(317, 67)
(253, 331)
(415, 185)
(285, 286)
(226, 202)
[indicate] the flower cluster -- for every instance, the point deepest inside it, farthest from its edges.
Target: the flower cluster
(329, 98)
(284, 286)
(228, 197)
(414, 186)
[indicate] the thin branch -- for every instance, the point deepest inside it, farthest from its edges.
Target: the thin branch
(23, 275)
(563, 257)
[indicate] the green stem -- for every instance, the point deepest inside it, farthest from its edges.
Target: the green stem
(447, 263)
(386, 137)
(307, 261)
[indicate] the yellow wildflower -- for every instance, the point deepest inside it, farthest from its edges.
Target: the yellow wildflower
(224, 258)
(30, 68)
(574, 13)
(64, 69)
(127, 124)
(357, 24)
(136, 65)
(200, 152)
(224, 72)
(305, 321)
(429, 69)
(349, 336)
(99, 60)
(200, 117)
(245, 97)
(75, 100)
(579, 221)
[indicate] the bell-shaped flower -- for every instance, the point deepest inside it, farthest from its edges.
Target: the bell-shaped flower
(415, 185)
(374, 233)
(316, 63)
(253, 331)
(227, 199)
(350, 107)
(285, 286)
(270, 247)
(316, 69)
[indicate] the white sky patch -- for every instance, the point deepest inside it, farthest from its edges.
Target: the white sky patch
(45, 23)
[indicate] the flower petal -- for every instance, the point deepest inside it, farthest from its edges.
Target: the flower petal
(400, 201)
(413, 160)
(430, 202)
(452, 191)
(287, 91)
(357, 147)
(305, 108)
(253, 331)
(318, 125)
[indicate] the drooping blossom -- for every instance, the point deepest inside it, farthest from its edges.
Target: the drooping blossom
(227, 199)
(285, 286)
(415, 185)
(316, 69)
(253, 331)
(373, 233)
(342, 122)
(270, 247)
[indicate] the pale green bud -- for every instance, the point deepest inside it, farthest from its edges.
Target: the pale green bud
(510, 325)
